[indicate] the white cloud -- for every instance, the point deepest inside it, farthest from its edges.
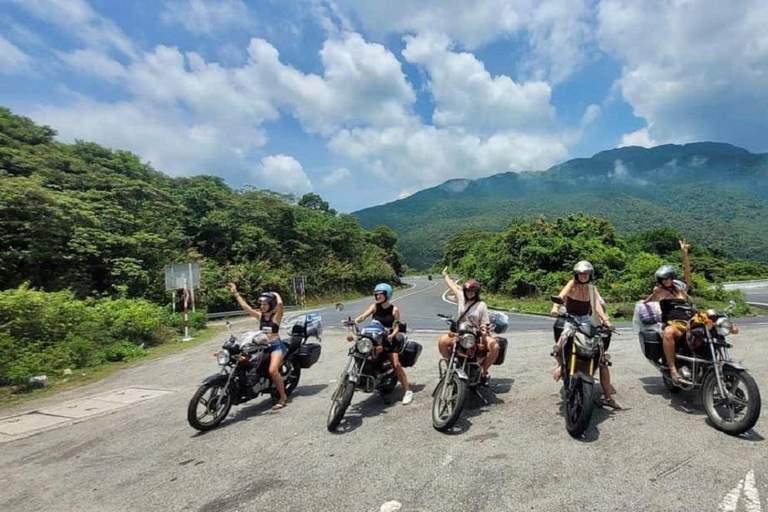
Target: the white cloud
(591, 113)
(336, 176)
(558, 32)
(12, 59)
(206, 16)
(281, 173)
(692, 70)
(77, 18)
(96, 63)
(640, 137)
(467, 96)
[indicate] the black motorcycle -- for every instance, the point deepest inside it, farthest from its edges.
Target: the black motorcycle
(368, 368)
(581, 347)
(730, 395)
(461, 372)
(245, 371)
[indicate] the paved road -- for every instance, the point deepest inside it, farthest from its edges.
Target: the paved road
(513, 454)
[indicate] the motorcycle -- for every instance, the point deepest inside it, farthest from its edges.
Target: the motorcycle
(463, 370)
(581, 347)
(730, 395)
(368, 368)
(244, 371)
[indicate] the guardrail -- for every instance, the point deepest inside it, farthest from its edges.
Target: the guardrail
(240, 312)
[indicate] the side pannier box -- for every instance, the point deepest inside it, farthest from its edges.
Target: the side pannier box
(652, 348)
(308, 355)
(410, 353)
(502, 350)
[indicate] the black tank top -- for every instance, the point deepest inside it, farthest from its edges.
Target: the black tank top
(268, 323)
(386, 316)
(577, 307)
(671, 310)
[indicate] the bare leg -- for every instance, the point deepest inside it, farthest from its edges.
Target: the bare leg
(605, 382)
(394, 358)
(444, 345)
(670, 334)
(275, 361)
(493, 354)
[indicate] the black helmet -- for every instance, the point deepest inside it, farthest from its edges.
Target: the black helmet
(583, 267)
(666, 272)
(269, 298)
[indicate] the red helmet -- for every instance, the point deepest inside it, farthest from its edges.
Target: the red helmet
(471, 286)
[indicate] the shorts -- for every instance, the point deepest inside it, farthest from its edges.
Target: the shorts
(680, 325)
(277, 346)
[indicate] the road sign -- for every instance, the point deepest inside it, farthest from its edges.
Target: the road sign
(182, 275)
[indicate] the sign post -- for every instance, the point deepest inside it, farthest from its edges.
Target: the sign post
(184, 277)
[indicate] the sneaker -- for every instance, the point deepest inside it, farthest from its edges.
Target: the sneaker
(408, 397)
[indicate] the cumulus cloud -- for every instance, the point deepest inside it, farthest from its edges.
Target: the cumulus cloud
(467, 95)
(692, 70)
(336, 176)
(557, 32)
(206, 16)
(640, 137)
(12, 59)
(281, 173)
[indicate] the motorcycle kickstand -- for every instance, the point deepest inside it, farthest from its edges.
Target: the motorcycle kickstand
(480, 395)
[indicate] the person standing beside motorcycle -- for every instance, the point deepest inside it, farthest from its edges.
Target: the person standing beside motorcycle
(674, 303)
(388, 315)
(475, 311)
(582, 300)
(269, 315)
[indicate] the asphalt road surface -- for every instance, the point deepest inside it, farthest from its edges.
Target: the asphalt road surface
(513, 454)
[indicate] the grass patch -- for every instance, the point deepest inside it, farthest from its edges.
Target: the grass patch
(15, 395)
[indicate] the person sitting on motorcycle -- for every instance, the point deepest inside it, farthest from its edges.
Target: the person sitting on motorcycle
(269, 315)
(475, 311)
(673, 301)
(388, 315)
(576, 295)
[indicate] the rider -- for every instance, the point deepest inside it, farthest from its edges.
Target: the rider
(673, 301)
(269, 315)
(579, 296)
(388, 315)
(475, 311)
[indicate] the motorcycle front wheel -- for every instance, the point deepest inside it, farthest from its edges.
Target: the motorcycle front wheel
(209, 406)
(448, 401)
(579, 404)
(342, 397)
(740, 413)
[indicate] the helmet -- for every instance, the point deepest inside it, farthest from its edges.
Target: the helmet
(471, 286)
(269, 298)
(383, 287)
(666, 272)
(582, 267)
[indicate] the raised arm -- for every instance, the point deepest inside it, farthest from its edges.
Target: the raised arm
(278, 316)
(243, 304)
(684, 246)
(450, 282)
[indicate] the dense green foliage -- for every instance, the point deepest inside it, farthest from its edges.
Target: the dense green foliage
(536, 258)
(99, 222)
(716, 194)
(43, 332)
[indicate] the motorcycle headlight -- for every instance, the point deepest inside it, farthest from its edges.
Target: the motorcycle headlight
(724, 326)
(364, 345)
(467, 341)
(223, 357)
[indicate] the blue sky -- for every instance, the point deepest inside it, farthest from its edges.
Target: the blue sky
(363, 101)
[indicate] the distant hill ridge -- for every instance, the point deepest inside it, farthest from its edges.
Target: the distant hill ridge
(716, 193)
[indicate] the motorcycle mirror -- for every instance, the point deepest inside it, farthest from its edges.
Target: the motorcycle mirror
(441, 315)
(556, 299)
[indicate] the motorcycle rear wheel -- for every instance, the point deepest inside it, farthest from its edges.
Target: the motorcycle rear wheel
(341, 400)
(291, 379)
(447, 410)
(579, 405)
(724, 414)
(218, 398)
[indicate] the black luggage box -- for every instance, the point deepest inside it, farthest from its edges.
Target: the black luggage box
(308, 355)
(502, 350)
(410, 353)
(652, 348)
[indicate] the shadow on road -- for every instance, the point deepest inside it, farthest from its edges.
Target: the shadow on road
(474, 405)
(373, 405)
(599, 414)
(684, 401)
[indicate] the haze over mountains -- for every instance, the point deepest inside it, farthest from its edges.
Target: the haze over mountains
(714, 193)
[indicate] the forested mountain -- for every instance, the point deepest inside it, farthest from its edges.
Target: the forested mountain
(716, 194)
(100, 222)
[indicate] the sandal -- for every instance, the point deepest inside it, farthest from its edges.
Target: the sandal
(280, 405)
(612, 402)
(485, 381)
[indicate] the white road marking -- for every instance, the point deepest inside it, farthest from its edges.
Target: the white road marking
(751, 500)
(391, 506)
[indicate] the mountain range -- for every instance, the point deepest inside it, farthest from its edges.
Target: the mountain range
(714, 193)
